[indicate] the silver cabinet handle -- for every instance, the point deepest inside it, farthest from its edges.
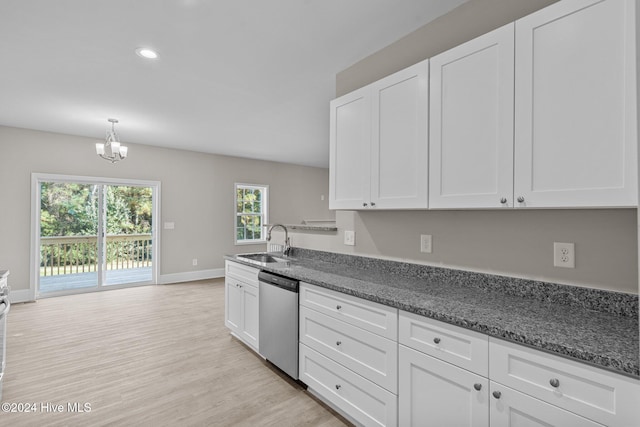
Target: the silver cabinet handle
(477, 386)
(436, 340)
(338, 342)
(338, 386)
(364, 205)
(338, 307)
(373, 204)
(520, 199)
(497, 394)
(503, 200)
(554, 382)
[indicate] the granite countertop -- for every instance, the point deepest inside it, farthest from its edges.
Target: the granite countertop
(605, 339)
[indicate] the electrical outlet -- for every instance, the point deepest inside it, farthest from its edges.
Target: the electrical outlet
(350, 238)
(194, 262)
(425, 243)
(564, 255)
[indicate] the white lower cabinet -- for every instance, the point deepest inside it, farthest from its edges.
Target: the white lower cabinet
(232, 305)
(241, 303)
(358, 398)
(445, 371)
(436, 393)
(367, 354)
(349, 354)
(596, 394)
(510, 408)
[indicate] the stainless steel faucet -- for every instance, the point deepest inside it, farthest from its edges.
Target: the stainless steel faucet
(287, 243)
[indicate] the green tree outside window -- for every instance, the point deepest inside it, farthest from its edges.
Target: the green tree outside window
(251, 212)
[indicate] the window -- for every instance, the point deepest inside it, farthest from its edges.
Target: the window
(251, 213)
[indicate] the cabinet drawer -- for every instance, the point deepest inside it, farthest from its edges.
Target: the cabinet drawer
(513, 408)
(367, 354)
(359, 398)
(605, 397)
(373, 317)
(242, 272)
(461, 347)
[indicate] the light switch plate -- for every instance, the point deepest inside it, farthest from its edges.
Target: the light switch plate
(169, 225)
(350, 238)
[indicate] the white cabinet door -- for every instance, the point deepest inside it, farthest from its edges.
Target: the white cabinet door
(250, 315)
(471, 123)
(399, 153)
(233, 305)
(435, 393)
(510, 408)
(575, 110)
(350, 145)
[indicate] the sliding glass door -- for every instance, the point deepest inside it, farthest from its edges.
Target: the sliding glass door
(68, 236)
(93, 235)
(128, 241)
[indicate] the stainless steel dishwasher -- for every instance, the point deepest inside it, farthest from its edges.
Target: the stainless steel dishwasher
(278, 313)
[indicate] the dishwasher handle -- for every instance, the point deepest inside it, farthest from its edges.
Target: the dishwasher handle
(279, 281)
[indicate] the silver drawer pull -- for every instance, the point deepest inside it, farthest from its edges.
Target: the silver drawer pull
(338, 342)
(554, 382)
(436, 340)
(503, 200)
(338, 307)
(338, 386)
(477, 386)
(520, 199)
(497, 394)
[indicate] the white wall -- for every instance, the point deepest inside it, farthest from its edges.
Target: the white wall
(197, 195)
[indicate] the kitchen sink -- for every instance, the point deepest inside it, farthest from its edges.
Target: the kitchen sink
(263, 259)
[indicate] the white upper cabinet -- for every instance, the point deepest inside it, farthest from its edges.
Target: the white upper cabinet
(540, 113)
(575, 105)
(471, 123)
(399, 146)
(350, 146)
(379, 144)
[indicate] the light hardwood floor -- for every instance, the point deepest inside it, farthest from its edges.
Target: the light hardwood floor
(152, 355)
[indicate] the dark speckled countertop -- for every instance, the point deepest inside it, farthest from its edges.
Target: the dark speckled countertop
(591, 326)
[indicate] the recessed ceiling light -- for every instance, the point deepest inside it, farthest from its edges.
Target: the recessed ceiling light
(147, 53)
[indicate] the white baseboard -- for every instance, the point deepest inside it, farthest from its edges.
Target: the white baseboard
(22, 295)
(190, 276)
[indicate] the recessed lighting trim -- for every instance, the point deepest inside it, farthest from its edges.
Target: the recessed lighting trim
(146, 53)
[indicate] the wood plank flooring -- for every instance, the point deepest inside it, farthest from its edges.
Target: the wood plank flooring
(151, 355)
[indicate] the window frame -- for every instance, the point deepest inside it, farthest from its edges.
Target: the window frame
(264, 213)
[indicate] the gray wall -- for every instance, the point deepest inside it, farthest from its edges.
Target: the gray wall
(197, 194)
(467, 21)
(515, 243)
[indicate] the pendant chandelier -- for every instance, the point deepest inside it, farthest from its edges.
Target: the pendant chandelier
(111, 149)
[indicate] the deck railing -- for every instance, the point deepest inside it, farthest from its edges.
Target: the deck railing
(79, 254)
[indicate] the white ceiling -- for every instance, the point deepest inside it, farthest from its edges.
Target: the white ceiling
(249, 78)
